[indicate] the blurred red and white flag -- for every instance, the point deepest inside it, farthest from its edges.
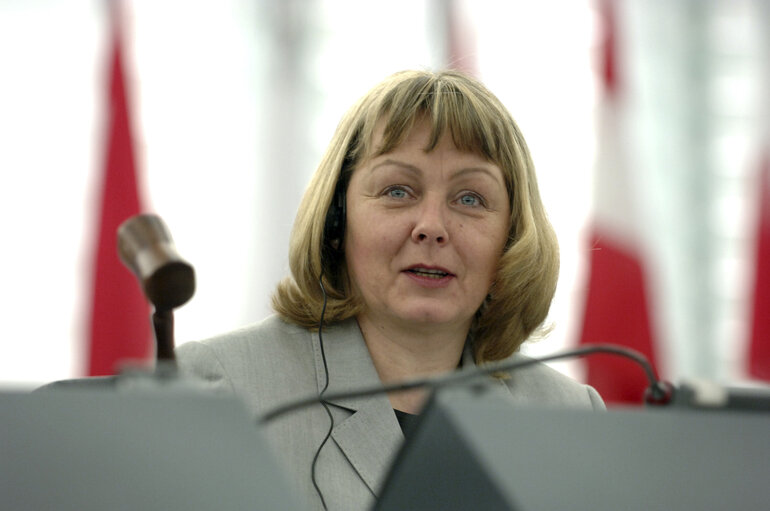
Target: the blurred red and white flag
(120, 315)
(460, 38)
(616, 305)
(759, 347)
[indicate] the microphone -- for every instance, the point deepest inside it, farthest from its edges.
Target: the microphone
(659, 392)
(146, 248)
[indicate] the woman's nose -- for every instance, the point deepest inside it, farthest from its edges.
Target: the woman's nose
(430, 224)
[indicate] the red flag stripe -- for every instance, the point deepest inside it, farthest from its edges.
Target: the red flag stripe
(616, 311)
(759, 350)
(120, 324)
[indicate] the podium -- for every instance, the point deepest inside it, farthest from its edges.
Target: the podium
(96, 449)
(470, 451)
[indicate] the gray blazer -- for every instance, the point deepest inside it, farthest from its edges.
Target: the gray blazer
(273, 363)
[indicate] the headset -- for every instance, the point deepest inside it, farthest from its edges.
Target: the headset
(332, 247)
(334, 226)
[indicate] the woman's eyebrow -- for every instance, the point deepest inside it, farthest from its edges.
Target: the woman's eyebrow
(404, 165)
(476, 170)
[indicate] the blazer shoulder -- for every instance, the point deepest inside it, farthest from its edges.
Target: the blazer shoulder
(541, 385)
(271, 334)
(255, 356)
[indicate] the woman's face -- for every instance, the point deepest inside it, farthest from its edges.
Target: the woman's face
(424, 232)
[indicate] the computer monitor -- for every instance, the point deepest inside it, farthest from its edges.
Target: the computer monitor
(473, 451)
(102, 449)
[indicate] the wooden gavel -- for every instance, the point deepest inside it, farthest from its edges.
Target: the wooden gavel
(168, 281)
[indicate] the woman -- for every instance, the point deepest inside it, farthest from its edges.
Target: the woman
(421, 245)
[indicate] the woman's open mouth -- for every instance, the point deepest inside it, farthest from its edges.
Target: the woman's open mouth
(428, 273)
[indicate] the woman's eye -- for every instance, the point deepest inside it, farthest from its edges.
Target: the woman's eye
(396, 193)
(470, 199)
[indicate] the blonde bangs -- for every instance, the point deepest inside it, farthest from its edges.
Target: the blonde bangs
(451, 104)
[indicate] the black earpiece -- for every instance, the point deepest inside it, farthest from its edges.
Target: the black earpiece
(334, 227)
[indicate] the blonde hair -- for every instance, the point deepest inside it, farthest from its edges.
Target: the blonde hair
(521, 295)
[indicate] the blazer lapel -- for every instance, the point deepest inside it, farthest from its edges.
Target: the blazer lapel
(370, 437)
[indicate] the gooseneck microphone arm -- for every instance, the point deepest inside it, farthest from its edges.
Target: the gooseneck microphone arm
(168, 281)
(658, 393)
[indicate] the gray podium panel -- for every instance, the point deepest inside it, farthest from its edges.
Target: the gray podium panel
(97, 449)
(472, 452)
